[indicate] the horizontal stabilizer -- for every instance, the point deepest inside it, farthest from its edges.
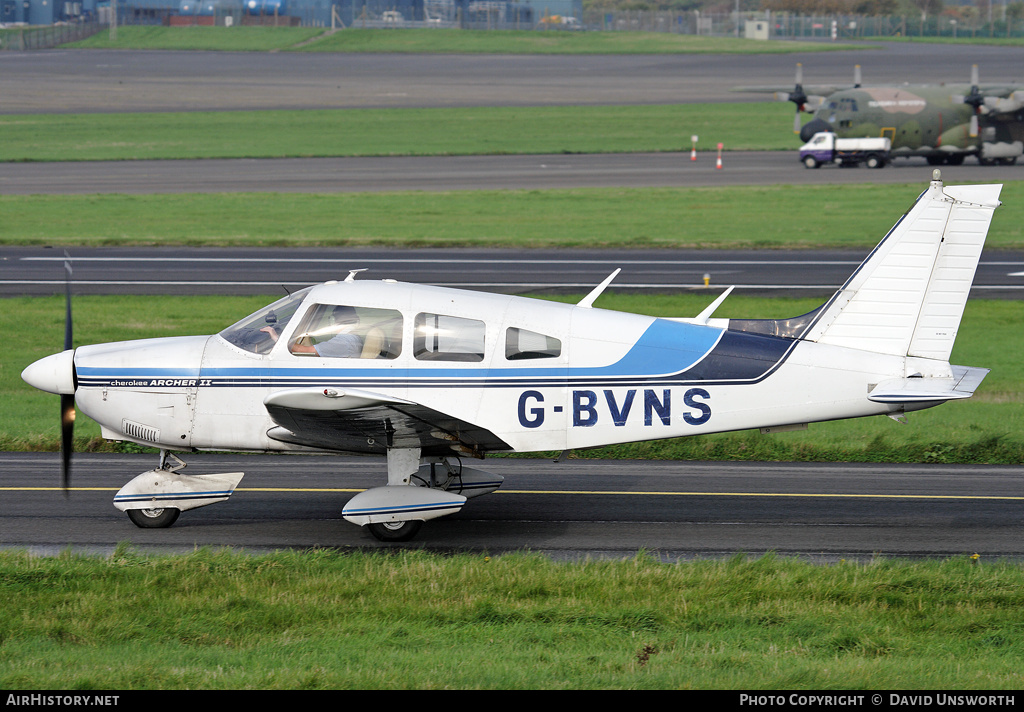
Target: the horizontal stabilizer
(964, 382)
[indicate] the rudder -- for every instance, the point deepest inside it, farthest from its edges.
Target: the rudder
(907, 298)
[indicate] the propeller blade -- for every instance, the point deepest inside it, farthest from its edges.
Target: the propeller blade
(975, 99)
(67, 301)
(67, 433)
(67, 402)
(798, 97)
(856, 76)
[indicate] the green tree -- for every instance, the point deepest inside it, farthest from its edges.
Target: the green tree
(1014, 14)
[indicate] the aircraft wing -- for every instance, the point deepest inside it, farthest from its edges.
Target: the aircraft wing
(1003, 90)
(782, 92)
(365, 422)
(1000, 100)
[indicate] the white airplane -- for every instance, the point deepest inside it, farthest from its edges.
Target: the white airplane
(427, 375)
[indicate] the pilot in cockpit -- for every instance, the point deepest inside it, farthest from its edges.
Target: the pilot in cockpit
(337, 338)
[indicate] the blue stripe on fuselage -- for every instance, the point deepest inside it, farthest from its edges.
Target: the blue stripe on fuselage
(667, 348)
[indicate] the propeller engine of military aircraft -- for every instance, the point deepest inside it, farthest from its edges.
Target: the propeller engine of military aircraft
(801, 99)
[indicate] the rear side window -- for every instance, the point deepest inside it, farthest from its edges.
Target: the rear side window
(525, 344)
(438, 337)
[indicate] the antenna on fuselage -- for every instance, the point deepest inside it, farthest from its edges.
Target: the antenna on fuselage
(353, 272)
(705, 315)
(588, 301)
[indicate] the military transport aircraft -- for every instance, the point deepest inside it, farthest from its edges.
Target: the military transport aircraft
(944, 123)
(428, 376)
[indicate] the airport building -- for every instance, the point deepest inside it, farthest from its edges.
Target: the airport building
(470, 14)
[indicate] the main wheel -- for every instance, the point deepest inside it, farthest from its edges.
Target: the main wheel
(395, 531)
(154, 518)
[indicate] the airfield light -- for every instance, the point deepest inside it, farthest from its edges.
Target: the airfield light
(693, 151)
(718, 163)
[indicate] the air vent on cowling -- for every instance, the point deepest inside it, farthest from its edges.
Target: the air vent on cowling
(138, 431)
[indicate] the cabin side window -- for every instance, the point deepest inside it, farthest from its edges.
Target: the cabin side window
(437, 337)
(526, 344)
(343, 331)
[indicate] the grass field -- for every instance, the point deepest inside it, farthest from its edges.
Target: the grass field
(396, 132)
(409, 620)
(769, 217)
(448, 41)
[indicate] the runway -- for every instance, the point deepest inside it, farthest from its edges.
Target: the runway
(88, 81)
(570, 509)
(272, 271)
(451, 173)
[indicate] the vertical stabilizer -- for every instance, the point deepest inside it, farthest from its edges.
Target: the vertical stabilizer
(908, 296)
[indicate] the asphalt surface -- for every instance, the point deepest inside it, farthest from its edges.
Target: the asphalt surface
(273, 271)
(576, 508)
(104, 81)
(569, 509)
(445, 173)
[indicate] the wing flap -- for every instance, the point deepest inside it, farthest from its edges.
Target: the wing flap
(370, 423)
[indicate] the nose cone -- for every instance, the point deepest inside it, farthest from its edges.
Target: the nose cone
(53, 374)
(812, 127)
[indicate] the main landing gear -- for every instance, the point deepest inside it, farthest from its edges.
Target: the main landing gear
(418, 489)
(395, 531)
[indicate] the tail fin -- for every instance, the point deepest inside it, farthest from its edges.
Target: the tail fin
(908, 296)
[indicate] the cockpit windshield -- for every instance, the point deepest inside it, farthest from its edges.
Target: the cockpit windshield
(259, 332)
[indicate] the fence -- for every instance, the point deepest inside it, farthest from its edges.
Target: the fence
(781, 25)
(46, 36)
(793, 26)
(731, 24)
